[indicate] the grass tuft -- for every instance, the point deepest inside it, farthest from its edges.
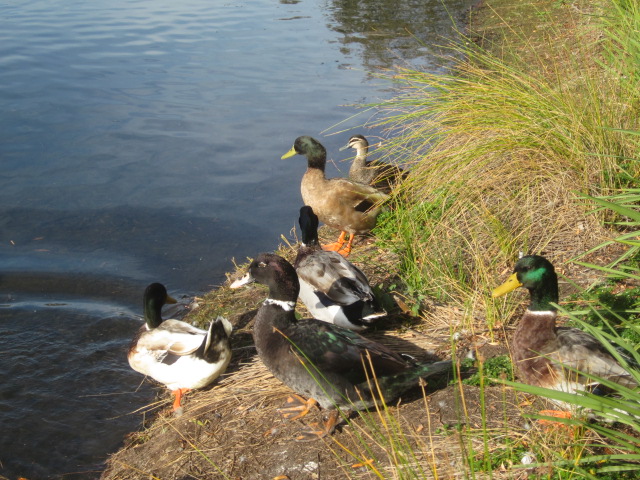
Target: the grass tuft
(498, 150)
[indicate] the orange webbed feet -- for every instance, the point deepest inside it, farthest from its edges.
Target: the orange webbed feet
(179, 393)
(296, 407)
(340, 246)
(317, 430)
(336, 246)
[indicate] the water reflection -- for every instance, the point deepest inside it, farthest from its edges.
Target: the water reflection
(383, 33)
(140, 244)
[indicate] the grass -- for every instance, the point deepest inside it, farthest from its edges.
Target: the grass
(509, 153)
(500, 154)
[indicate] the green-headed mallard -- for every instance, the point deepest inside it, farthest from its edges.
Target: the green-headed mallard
(323, 361)
(550, 356)
(177, 354)
(378, 174)
(340, 203)
(332, 288)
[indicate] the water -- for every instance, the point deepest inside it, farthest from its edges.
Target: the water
(140, 141)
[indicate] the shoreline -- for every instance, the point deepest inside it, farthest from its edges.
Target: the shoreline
(231, 429)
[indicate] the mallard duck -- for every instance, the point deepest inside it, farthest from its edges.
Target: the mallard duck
(550, 356)
(322, 361)
(333, 289)
(378, 174)
(177, 354)
(340, 203)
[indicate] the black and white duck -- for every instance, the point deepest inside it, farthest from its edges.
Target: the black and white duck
(550, 356)
(348, 206)
(333, 289)
(381, 175)
(177, 354)
(321, 361)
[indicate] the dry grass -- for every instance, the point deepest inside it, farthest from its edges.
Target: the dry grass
(500, 152)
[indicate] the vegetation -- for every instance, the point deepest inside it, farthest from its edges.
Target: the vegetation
(502, 147)
(530, 148)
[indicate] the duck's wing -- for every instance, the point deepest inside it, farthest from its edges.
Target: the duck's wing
(341, 351)
(216, 344)
(334, 276)
(357, 195)
(581, 351)
(173, 337)
(386, 175)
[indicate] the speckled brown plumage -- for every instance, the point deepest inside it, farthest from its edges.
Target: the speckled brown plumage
(338, 202)
(378, 174)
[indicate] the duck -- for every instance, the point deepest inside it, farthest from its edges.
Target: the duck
(348, 206)
(333, 289)
(330, 365)
(378, 174)
(547, 355)
(175, 353)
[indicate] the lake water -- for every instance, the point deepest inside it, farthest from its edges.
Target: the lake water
(140, 141)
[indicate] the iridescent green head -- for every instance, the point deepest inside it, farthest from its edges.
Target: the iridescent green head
(311, 148)
(537, 275)
(155, 296)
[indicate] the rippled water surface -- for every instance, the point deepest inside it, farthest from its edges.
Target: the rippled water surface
(140, 141)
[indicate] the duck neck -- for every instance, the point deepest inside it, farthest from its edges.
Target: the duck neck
(310, 238)
(543, 295)
(361, 156)
(316, 162)
(286, 305)
(152, 314)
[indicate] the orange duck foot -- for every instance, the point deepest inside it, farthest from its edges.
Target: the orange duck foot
(296, 407)
(339, 246)
(551, 424)
(346, 250)
(336, 245)
(178, 393)
(317, 430)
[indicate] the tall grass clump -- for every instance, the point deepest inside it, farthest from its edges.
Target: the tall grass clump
(499, 147)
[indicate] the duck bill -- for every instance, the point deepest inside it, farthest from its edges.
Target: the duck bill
(343, 147)
(290, 153)
(242, 281)
(509, 286)
(170, 299)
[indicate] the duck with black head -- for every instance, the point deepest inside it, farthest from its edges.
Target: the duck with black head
(327, 364)
(175, 353)
(333, 289)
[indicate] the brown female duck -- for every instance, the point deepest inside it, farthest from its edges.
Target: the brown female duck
(378, 174)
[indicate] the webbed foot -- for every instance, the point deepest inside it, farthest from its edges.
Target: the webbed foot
(296, 407)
